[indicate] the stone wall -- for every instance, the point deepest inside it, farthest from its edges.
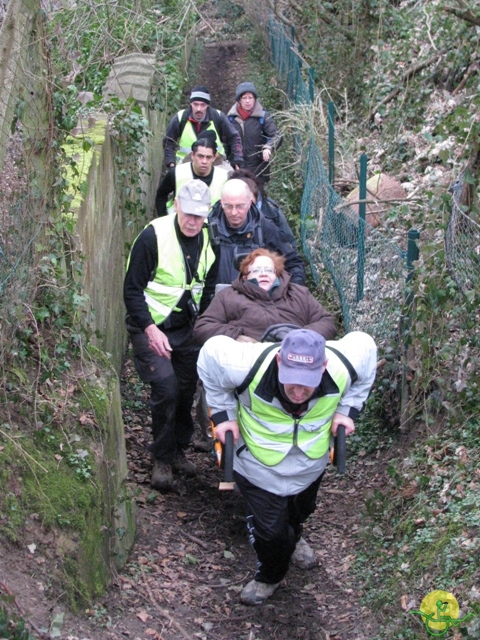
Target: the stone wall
(103, 232)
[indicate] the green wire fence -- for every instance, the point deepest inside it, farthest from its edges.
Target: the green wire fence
(368, 268)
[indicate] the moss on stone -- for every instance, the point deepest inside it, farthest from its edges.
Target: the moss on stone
(71, 477)
(82, 149)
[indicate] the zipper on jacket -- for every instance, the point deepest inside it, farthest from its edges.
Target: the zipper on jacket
(295, 431)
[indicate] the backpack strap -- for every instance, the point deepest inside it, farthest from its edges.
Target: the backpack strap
(216, 120)
(253, 371)
(182, 121)
(348, 365)
(262, 119)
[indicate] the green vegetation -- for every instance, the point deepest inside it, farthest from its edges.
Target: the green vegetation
(404, 79)
(60, 422)
(10, 629)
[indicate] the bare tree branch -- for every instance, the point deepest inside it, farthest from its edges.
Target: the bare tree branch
(273, 6)
(409, 73)
(465, 14)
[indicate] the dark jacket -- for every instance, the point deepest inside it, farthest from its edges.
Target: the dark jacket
(256, 232)
(270, 209)
(143, 263)
(227, 132)
(257, 132)
(246, 309)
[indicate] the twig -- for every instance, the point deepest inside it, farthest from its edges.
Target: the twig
(164, 612)
(22, 451)
(473, 68)
(203, 544)
(204, 19)
(229, 584)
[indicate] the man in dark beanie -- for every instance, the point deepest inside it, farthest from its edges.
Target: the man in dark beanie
(258, 131)
(189, 124)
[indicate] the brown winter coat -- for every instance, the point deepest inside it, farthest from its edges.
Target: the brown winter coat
(246, 309)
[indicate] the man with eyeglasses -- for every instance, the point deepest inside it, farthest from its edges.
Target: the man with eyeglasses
(238, 227)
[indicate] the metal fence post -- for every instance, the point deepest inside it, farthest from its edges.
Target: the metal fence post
(331, 142)
(412, 255)
(361, 226)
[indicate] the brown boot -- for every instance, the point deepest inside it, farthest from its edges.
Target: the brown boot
(182, 466)
(162, 478)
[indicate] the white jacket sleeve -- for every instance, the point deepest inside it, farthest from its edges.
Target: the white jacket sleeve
(361, 351)
(223, 364)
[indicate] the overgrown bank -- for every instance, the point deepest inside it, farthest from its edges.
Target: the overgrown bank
(406, 100)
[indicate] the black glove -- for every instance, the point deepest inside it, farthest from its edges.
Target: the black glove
(277, 332)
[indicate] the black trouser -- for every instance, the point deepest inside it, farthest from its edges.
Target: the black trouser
(173, 383)
(275, 525)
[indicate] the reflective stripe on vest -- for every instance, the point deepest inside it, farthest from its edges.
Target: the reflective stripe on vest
(189, 136)
(184, 173)
(270, 433)
(163, 293)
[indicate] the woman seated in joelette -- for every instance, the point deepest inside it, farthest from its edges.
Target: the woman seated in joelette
(260, 297)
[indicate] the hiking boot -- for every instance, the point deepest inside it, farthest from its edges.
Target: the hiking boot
(182, 466)
(257, 592)
(162, 478)
(304, 555)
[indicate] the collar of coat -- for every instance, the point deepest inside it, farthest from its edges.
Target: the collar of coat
(256, 113)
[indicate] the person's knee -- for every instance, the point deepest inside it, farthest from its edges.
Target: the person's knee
(164, 389)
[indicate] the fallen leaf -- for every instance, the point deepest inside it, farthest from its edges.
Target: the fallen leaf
(143, 615)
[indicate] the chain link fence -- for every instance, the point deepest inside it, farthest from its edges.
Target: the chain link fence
(462, 243)
(367, 267)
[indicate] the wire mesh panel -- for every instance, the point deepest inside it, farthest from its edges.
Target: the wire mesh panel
(369, 274)
(462, 242)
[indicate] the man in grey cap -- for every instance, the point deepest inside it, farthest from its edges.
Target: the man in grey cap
(170, 279)
(282, 402)
(259, 133)
(189, 124)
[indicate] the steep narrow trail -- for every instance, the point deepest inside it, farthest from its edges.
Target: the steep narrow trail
(192, 557)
